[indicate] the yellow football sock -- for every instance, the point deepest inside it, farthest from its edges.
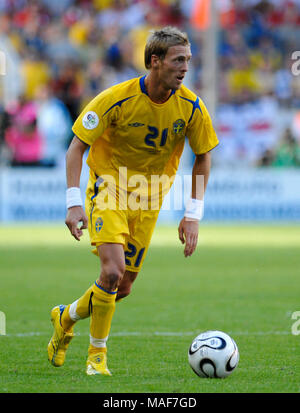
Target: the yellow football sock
(78, 310)
(97, 303)
(96, 350)
(83, 308)
(66, 321)
(102, 311)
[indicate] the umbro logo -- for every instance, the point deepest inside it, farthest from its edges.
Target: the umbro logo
(136, 124)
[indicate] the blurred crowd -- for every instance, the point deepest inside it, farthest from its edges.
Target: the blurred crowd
(58, 54)
(259, 84)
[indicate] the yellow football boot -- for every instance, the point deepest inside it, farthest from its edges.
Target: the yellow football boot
(60, 340)
(97, 364)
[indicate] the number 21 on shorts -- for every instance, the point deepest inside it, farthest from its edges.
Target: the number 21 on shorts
(133, 256)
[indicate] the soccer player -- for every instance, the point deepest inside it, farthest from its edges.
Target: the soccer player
(133, 129)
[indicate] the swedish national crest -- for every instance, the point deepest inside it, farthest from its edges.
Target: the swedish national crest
(178, 126)
(99, 224)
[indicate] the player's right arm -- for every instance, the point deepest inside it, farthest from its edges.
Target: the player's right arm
(75, 214)
(95, 118)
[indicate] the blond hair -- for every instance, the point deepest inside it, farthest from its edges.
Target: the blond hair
(159, 42)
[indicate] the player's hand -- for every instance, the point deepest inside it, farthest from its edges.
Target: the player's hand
(75, 215)
(188, 234)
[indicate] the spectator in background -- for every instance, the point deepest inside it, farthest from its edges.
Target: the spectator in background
(266, 159)
(139, 34)
(54, 124)
(22, 136)
(68, 87)
(57, 7)
(12, 86)
(287, 154)
(36, 72)
(283, 83)
(121, 68)
(242, 79)
(4, 151)
(94, 79)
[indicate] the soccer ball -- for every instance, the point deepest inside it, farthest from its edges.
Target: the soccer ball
(213, 354)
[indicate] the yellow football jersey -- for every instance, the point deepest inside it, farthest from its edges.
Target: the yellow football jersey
(125, 128)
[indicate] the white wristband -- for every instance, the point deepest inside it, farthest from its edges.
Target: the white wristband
(73, 197)
(194, 209)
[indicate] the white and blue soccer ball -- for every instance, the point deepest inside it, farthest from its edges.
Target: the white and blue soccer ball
(213, 354)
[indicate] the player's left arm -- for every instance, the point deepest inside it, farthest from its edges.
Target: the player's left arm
(189, 227)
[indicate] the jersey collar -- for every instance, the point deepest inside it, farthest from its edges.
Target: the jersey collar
(143, 87)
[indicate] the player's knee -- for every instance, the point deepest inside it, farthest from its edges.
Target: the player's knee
(111, 277)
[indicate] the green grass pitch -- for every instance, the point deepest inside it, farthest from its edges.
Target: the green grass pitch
(243, 280)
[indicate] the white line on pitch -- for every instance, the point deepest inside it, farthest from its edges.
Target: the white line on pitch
(159, 333)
